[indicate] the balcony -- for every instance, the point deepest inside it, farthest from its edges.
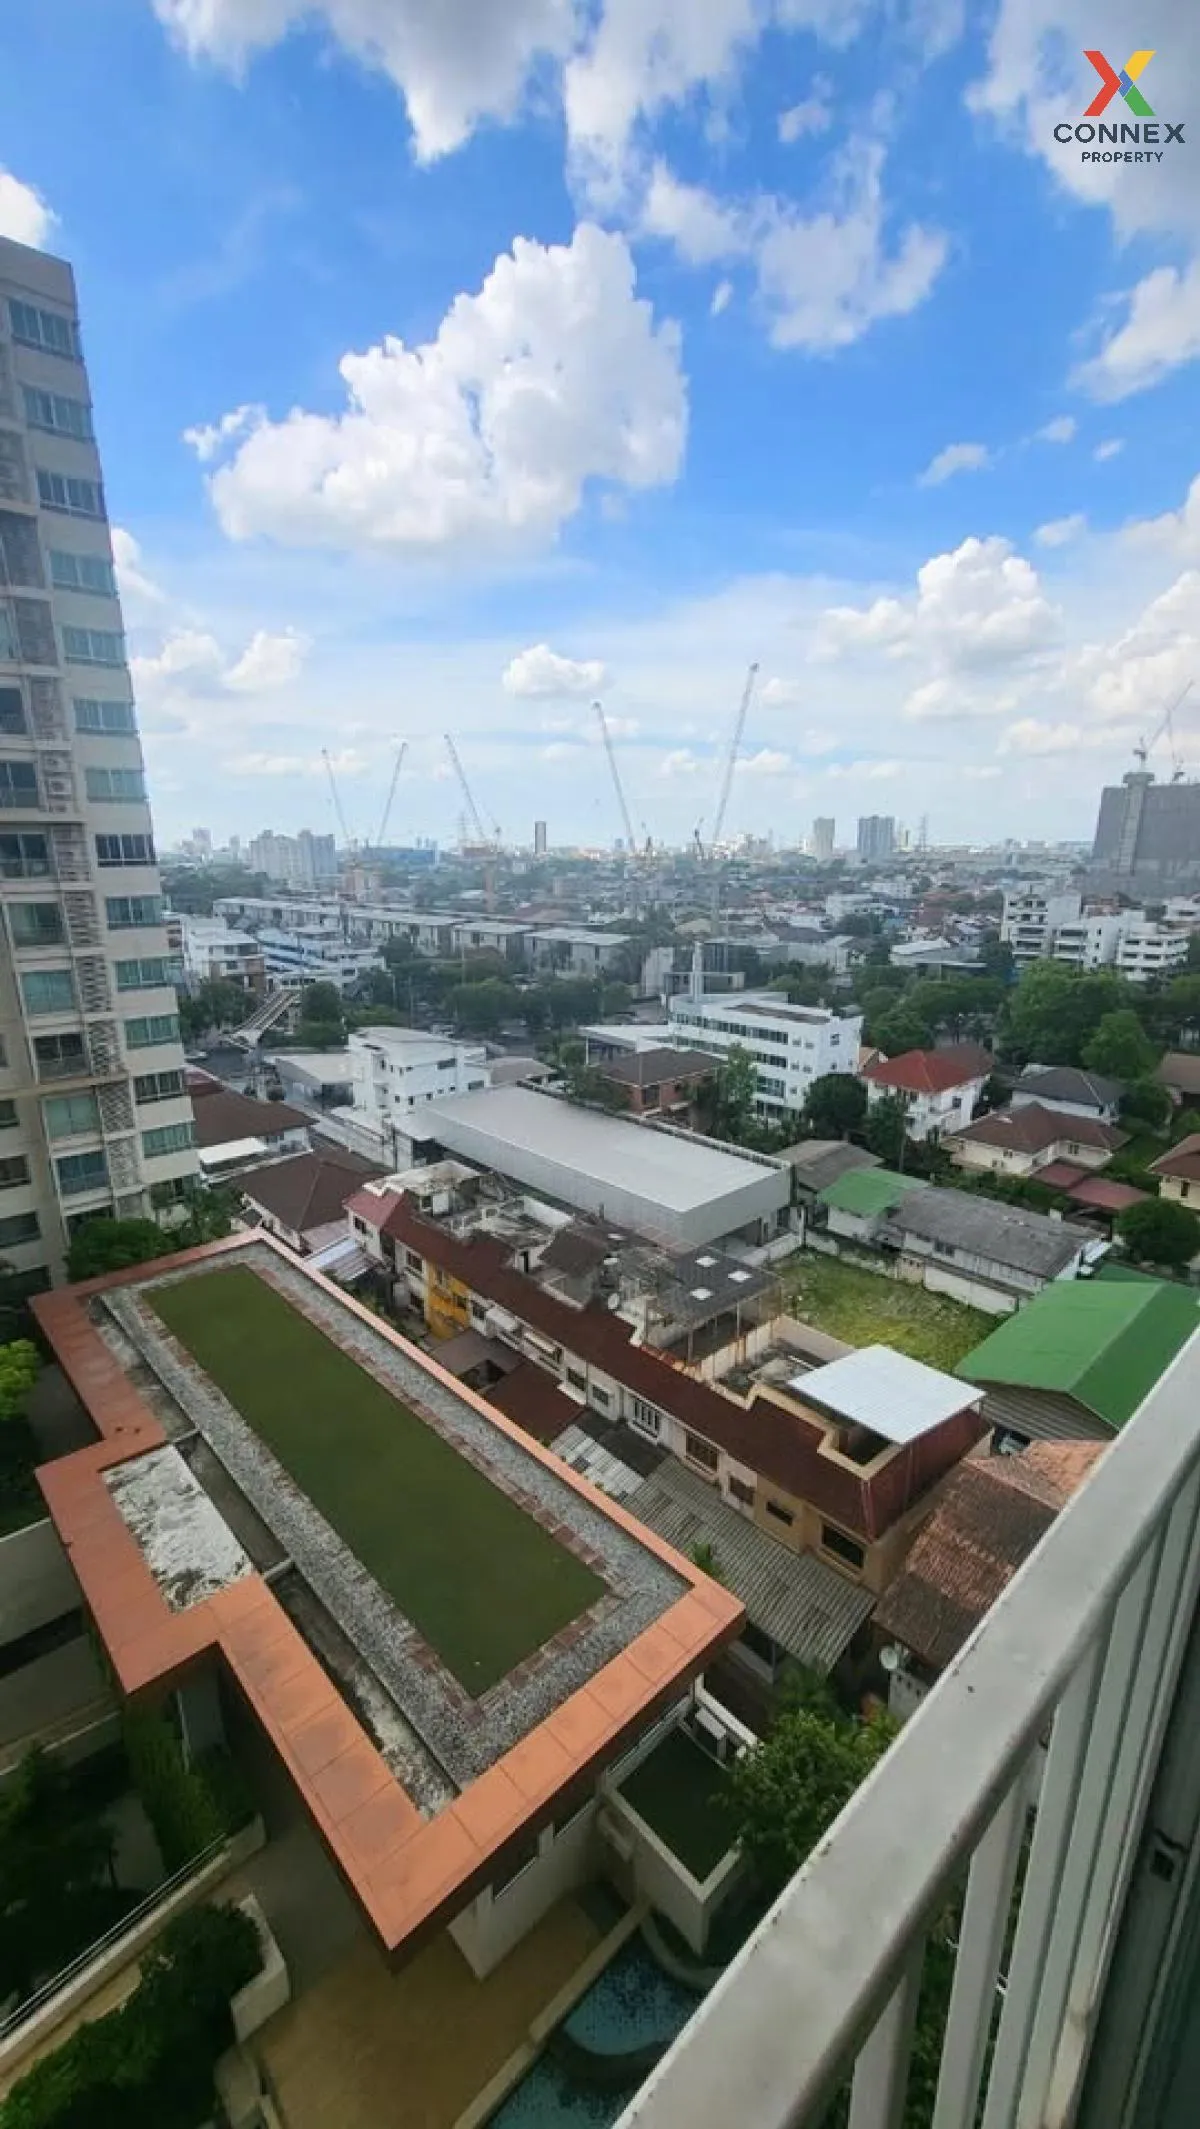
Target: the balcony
(1066, 1971)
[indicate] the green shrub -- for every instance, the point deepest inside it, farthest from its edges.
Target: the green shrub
(149, 2064)
(189, 1807)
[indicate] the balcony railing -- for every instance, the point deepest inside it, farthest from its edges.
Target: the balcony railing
(1086, 1642)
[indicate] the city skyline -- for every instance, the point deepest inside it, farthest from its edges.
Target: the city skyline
(781, 404)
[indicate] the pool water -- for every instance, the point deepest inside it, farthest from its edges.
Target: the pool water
(632, 2004)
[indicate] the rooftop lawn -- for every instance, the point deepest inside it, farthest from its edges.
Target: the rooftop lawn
(478, 1576)
(679, 1791)
(864, 1308)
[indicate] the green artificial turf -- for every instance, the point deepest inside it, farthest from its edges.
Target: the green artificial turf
(478, 1576)
(679, 1791)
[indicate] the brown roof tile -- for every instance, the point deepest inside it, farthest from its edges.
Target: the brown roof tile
(931, 1071)
(309, 1189)
(1182, 1162)
(1030, 1129)
(222, 1115)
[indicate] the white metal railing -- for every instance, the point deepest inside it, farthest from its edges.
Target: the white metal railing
(1089, 1636)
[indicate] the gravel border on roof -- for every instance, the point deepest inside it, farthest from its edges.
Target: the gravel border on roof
(464, 1735)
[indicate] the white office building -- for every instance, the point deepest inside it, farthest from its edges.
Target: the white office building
(216, 952)
(791, 1045)
(1041, 925)
(94, 1118)
(314, 954)
(1033, 916)
(395, 1073)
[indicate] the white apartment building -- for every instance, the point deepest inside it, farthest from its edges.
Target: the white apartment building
(1032, 916)
(216, 952)
(1147, 949)
(565, 949)
(1039, 925)
(398, 1070)
(304, 861)
(791, 1045)
(314, 954)
(94, 1115)
(1087, 941)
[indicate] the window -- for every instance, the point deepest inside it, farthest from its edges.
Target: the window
(8, 1116)
(698, 1451)
(742, 1493)
(577, 1378)
(943, 1249)
(19, 1227)
(18, 784)
(48, 991)
(78, 1172)
(115, 784)
(125, 850)
(158, 1086)
(645, 1416)
(93, 646)
(168, 1138)
(154, 1027)
(8, 637)
(413, 1261)
(12, 712)
(54, 411)
(600, 1397)
(842, 1547)
(78, 498)
(92, 714)
(35, 923)
(14, 1172)
(781, 1514)
(59, 1056)
(132, 912)
(46, 329)
(82, 572)
(70, 1115)
(144, 975)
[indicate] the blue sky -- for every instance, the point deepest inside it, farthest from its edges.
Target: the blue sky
(455, 363)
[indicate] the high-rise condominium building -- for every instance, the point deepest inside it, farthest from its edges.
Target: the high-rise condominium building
(304, 860)
(1148, 830)
(876, 837)
(539, 839)
(823, 832)
(94, 1115)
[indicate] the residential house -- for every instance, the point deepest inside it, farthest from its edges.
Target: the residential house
(817, 1162)
(991, 1513)
(858, 1204)
(1076, 1363)
(234, 1129)
(1028, 1140)
(1066, 1087)
(659, 1082)
(1179, 1073)
(990, 1255)
(303, 1200)
(1179, 1171)
(941, 1088)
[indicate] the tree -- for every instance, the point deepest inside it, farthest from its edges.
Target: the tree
(615, 998)
(1185, 1124)
(900, 1031)
(1119, 1048)
(1054, 1012)
(1146, 1102)
(835, 1105)
(737, 1091)
(886, 1127)
(216, 1004)
(1159, 1231)
(787, 1792)
(101, 1246)
(322, 1002)
(55, 1875)
(19, 1365)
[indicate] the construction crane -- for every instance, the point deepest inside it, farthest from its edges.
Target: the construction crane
(476, 817)
(401, 751)
(618, 787)
(347, 838)
(739, 726)
(1166, 724)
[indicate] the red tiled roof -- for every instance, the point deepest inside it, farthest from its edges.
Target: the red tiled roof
(1182, 1162)
(372, 1206)
(1060, 1175)
(532, 1397)
(1031, 1129)
(931, 1071)
(781, 1445)
(1107, 1196)
(222, 1116)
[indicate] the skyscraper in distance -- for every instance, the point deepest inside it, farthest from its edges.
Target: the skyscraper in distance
(539, 839)
(95, 1117)
(823, 833)
(876, 837)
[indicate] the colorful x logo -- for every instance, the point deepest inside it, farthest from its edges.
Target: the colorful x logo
(1125, 81)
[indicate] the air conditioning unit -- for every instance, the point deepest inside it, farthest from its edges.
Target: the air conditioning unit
(709, 1734)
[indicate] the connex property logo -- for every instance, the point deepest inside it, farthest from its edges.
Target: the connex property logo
(1130, 141)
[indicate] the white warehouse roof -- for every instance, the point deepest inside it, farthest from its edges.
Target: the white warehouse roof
(879, 1388)
(661, 1184)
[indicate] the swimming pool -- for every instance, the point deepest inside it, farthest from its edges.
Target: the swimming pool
(632, 2005)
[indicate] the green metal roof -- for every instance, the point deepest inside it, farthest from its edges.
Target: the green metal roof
(868, 1191)
(1104, 1342)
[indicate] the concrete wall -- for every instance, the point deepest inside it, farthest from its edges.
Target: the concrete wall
(37, 1583)
(486, 1931)
(975, 1292)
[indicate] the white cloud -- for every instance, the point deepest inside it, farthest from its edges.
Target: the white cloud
(1178, 530)
(1061, 430)
(539, 671)
(132, 581)
(553, 376)
(1160, 332)
(560, 750)
(955, 458)
(679, 762)
(981, 605)
(25, 217)
(1028, 736)
(347, 762)
(721, 298)
(777, 694)
(767, 762)
(207, 438)
(269, 662)
(455, 62)
(824, 277)
(814, 114)
(1059, 531)
(1110, 448)
(644, 56)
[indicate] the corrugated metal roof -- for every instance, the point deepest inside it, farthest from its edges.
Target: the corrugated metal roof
(869, 1191)
(877, 1387)
(809, 1609)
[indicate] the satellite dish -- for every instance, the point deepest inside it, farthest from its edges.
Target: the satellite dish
(891, 1658)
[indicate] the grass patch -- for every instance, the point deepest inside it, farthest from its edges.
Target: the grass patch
(862, 1308)
(680, 1792)
(479, 1577)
